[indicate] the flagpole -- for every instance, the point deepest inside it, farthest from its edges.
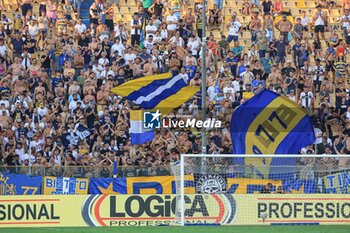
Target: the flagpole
(204, 86)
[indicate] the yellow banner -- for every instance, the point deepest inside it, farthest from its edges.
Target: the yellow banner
(65, 185)
(150, 210)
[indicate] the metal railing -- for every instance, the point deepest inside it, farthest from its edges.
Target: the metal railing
(87, 171)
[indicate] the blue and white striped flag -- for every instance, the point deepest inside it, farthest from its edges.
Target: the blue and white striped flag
(157, 92)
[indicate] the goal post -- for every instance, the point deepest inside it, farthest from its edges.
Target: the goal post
(210, 188)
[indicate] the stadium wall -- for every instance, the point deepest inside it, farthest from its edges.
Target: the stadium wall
(145, 210)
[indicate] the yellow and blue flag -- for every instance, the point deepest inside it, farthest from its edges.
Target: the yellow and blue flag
(107, 186)
(157, 92)
(138, 134)
(269, 123)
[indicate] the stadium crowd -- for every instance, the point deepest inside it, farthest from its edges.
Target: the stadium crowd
(56, 72)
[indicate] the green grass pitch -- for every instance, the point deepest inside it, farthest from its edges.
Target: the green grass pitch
(195, 229)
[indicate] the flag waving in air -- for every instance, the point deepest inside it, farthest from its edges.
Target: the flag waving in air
(157, 92)
(269, 123)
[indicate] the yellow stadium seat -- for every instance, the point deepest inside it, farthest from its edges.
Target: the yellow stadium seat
(278, 18)
(301, 4)
(311, 4)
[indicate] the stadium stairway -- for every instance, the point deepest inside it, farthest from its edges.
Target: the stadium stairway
(84, 12)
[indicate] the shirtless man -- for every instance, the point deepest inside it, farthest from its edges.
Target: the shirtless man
(34, 68)
(190, 60)
(60, 91)
(88, 87)
(275, 76)
(19, 85)
(346, 4)
(254, 25)
(284, 26)
(189, 19)
(40, 89)
(149, 68)
(17, 69)
(102, 97)
(74, 88)
(136, 67)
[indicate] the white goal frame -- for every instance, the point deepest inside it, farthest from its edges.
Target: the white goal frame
(184, 156)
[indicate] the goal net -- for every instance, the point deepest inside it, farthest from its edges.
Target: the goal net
(248, 189)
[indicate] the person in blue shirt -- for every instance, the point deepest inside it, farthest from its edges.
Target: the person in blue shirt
(232, 62)
(190, 71)
(267, 62)
(237, 49)
(241, 68)
(256, 82)
(296, 47)
(280, 48)
(56, 79)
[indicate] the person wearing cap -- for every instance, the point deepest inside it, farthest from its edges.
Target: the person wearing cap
(284, 26)
(320, 20)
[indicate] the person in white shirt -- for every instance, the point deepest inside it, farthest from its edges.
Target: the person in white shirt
(228, 88)
(7, 22)
(103, 61)
(80, 28)
(25, 58)
(184, 75)
(306, 98)
(164, 32)
(157, 38)
(129, 56)
(177, 40)
(107, 72)
(148, 43)
(172, 24)
(292, 96)
(193, 46)
(234, 28)
(305, 21)
(157, 60)
(3, 48)
(345, 22)
(347, 114)
(211, 92)
(33, 29)
(97, 69)
(117, 47)
(150, 29)
(320, 20)
(4, 102)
